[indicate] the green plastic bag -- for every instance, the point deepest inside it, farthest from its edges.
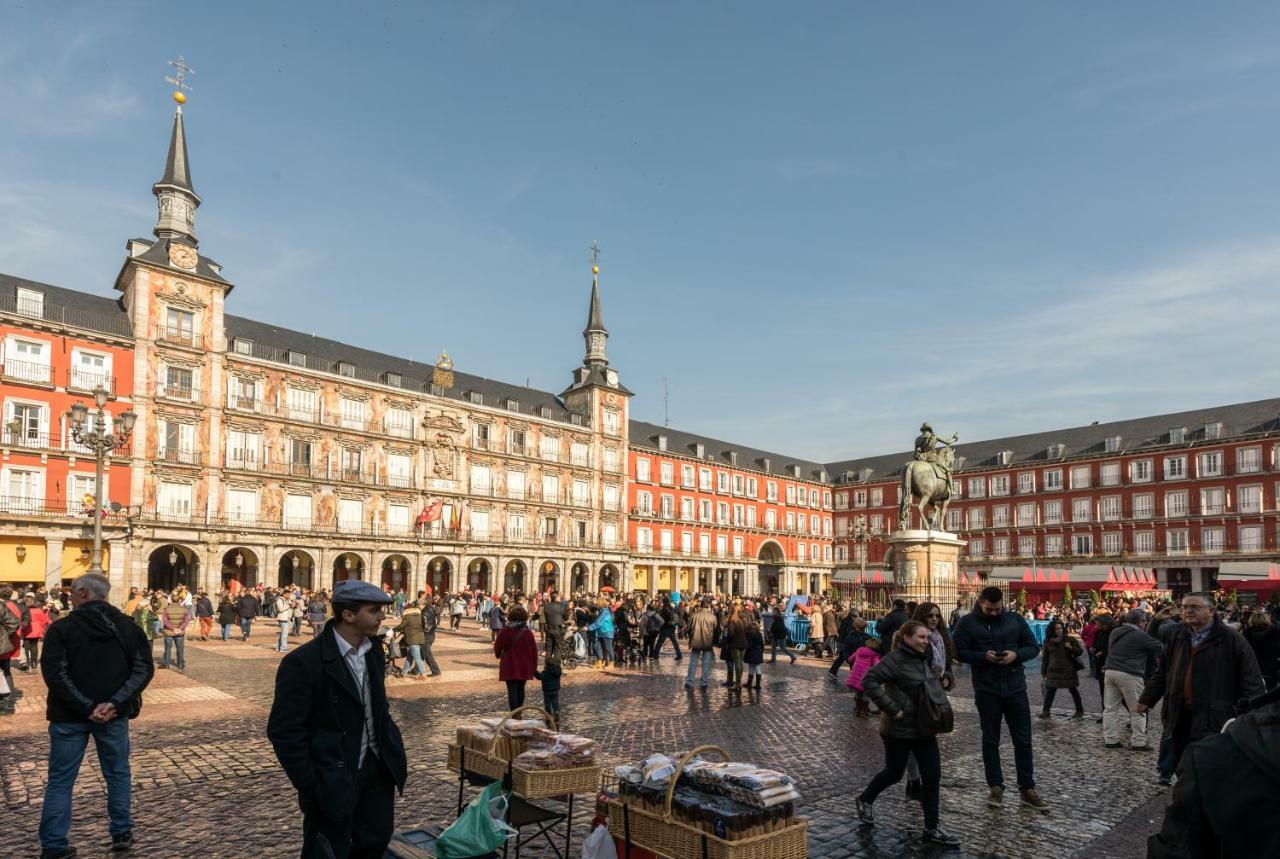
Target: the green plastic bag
(480, 829)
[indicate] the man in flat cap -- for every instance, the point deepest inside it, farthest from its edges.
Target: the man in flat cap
(332, 731)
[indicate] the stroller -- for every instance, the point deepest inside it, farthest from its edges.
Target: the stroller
(391, 652)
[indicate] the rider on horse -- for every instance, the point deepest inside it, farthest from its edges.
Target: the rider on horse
(928, 445)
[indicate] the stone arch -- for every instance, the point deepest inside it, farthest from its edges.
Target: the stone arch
(396, 569)
(515, 576)
(548, 576)
(172, 564)
(579, 576)
(771, 560)
(296, 567)
(610, 577)
(439, 575)
(479, 574)
(240, 564)
(348, 565)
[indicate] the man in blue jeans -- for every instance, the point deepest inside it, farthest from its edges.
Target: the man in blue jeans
(996, 643)
(704, 629)
(96, 662)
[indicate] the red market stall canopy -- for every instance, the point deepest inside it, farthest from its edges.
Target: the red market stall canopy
(1130, 579)
(1102, 576)
(856, 577)
(1249, 576)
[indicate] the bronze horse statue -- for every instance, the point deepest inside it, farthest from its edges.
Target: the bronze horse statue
(930, 480)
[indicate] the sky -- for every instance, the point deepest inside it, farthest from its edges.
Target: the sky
(820, 223)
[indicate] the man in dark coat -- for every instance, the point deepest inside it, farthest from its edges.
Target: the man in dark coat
(996, 643)
(889, 624)
(333, 734)
(552, 619)
(247, 607)
(96, 662)
(1220, 667)
(1224, 782)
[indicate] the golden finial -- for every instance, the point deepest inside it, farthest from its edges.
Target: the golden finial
(595, 257)
(179, 80)
(442, 375)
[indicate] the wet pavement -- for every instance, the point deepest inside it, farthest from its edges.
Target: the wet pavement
(207, 784)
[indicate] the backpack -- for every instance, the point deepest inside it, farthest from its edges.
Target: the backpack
(933, 711)
(653, 623)
(9, 622)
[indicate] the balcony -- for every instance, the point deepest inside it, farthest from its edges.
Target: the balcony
(177, 334)
(397, 481)
(178, 393)
(242, 463)
(28, 372)
(177, 456)
(90, 380)
(301, 413)
(249, 404)
(295, 469)
(347, 422)
(354, 475)
(399, 430)
(29, 439)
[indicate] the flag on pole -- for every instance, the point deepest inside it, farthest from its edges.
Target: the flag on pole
(431, 512)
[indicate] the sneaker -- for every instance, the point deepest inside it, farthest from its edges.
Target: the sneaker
(1140, 748)
(937, 836)
(1044, 714)
(122, 841)
(915, 790)
(1111, 745)
(1165, 780)
(48, 853)
(865, 814)
(995, 799)
(1031, 799)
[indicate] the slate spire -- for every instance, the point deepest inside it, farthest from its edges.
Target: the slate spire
(175, 197)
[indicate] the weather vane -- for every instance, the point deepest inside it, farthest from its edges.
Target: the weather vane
(595, 257)
(180, 81)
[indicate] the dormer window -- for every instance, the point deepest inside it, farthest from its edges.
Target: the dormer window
(1004, 457)
(1054, 451)
(795, 471)
(544, 411)
(242, 346)
(30, 302)
(346, 369)
(513, 405)
(733, 456)
(1112, 443)
(392, 379)
(476, 397)
(1177, 435)
(297, 359)
(700, 450)
(1213, 429)
(864, 474)
(662, 442)
(436, 390)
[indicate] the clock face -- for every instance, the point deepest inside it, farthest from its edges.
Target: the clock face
(182, 256)
(611, 377)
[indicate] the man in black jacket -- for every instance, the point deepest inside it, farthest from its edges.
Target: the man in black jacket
(1225, 783)
(247, 607)
(997, 643)
(96, 662)
(890, 624)
(553, 623)
(332, 731)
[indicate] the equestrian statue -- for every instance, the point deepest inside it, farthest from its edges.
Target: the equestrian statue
(928, 477)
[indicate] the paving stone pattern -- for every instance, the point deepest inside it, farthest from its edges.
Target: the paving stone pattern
(207, 784)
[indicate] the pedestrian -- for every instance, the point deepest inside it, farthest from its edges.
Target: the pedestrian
(651, 623)
(942, 655)
(458, 606)
(174, 621)
(1203, 671)
(333, 733)
(778, 637)
(1101, 639)
(753, 656)
(996, 642)
(247, 608)
(412, 633)
(227, 616)
(734, 644)
(430, 623)
(889, 624)
(284, 617)
(1264, 638)
(961, 609)
(851, 634)
(317, 613)
(551, 618)
(897, 684)
(33, 631)
(863, 660)
(147, 617)
(602, 627)
(1131, 663)
(204, 615)
(550, 677)
(1060, 666)
(1224, 782)
(704, 630)
(10, 648)
(667, 631)
(96, 664)
(517, 651)
(830, 630)
(496, 617)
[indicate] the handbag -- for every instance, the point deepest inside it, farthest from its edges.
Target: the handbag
(480, 829)
(933, 710)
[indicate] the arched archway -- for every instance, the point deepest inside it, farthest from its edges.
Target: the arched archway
(348, 565)
(771, 558)
(296, 568)
(579, 576)
(609, 576)
(478, 574)
(439, 574)
(513, 578)
(239, 564)
(548, 576)
(172, 565)
(395, 572)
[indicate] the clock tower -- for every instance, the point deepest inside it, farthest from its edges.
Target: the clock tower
(595, 372)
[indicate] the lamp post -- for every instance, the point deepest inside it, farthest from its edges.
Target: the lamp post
(863, 538)
(90, 430)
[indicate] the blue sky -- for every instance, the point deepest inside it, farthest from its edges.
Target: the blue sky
(822, 223)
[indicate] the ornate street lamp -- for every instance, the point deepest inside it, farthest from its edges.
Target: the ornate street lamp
(173, 557)
(863, 538)
(90, 430)
(239, 559)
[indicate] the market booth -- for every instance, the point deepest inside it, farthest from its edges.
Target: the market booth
(1050, 583)
(1260, 579)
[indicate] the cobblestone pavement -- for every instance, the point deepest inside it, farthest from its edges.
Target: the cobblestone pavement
(207, 784)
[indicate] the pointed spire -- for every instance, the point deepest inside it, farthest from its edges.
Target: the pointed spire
(595, 334)
(177, 172)
(176, 199)
(595, 322)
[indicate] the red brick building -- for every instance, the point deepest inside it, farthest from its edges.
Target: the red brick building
(710, 515)
(1188, 501)
(55, 349)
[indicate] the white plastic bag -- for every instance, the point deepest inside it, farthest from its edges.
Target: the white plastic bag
(599, 845)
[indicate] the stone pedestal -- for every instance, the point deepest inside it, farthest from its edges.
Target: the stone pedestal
(925, 565)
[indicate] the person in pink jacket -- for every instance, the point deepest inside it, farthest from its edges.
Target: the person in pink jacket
(862, 661)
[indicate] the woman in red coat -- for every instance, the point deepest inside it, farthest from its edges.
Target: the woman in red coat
(518, 652)
(33, 632)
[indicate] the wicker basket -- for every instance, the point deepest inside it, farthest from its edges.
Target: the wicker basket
(527, 784)
(668, 836)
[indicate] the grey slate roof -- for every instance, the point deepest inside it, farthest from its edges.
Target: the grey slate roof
(158, 254)
(69, 306)
(1136, 435)
(272, 343)
(645, 435)
(595, 320)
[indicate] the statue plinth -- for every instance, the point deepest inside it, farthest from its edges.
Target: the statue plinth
(926, 565)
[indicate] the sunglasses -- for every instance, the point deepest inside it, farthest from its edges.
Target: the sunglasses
(935, 614)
